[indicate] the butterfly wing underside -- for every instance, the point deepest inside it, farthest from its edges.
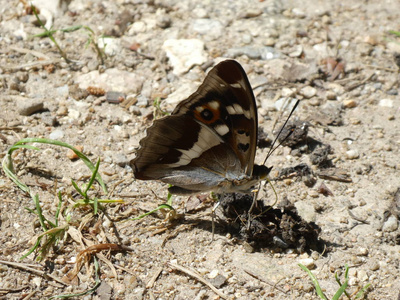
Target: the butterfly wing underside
(209, 137)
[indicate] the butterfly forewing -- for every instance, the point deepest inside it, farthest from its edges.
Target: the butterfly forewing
(225, 102)
(209, 139)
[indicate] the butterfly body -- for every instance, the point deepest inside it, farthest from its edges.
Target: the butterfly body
(208, 143)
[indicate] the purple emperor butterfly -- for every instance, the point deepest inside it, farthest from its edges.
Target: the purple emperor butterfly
(209, 141)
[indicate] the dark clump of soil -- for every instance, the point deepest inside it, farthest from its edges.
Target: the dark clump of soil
(269, 227)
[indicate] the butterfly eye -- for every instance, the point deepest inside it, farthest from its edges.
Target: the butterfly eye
(207, 114)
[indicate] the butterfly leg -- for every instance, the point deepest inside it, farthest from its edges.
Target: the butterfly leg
(253, 204)
(213, 216)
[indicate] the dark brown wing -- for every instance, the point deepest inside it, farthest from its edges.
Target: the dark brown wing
(227, 83)
(208, 137)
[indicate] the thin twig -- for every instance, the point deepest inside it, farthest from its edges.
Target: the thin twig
(357, 218)
(194, 274)
(29, 51)
(153, 279)
(30, 65)
(265, 281)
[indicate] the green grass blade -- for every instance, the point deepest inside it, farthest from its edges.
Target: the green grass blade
(93, 178)
(58, 208)
(95, 206)
(314, 281)
(86, 161)
(42, 219)
(362, 291)
(8, 169)
(72, 28)
(162, 206)
(78, 189)
(37, 244)
(397, 33)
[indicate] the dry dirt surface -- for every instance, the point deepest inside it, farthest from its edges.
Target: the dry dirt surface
(340, 179)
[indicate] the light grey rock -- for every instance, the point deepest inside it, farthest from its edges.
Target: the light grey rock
(27, 107)
(57, 134)
(112, 79)
(183, 54)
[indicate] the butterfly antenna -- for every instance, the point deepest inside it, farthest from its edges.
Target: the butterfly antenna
(272, 149)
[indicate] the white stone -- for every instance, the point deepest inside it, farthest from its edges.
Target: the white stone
(391, 224)
(308, 92)
(112, 80)
(183, 54)
(209, 27)
(352, 154)
(386, 103)
(110, 46)
(306, 211)
(308, 262)
(214, 273)
(57, 134)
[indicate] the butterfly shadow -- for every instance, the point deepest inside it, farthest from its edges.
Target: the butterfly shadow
(267, 228)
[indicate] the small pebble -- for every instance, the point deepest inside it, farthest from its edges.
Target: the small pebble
(350, 103)
(308, 262)
(391, 224)
(352, 154)
(57, 134)
(28, 107)
(330, 95)
(115, 97)
(308, 92)
(71, 154)
(386, 103)
(362, 251)
(214, 273)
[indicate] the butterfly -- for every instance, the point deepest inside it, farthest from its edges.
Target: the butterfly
(208, 143)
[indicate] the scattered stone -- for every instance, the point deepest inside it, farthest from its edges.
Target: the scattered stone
(352, 154)
(183, 54)
(111, 46)
(211, 28)
(28, 106)
(297, 12)
(349, 103)
(57, 134)
(265, 53)
(308, 262)
(391, 224)
(218, 281)
(392, 92)
(63, 91)
(362, 251)
(214, 273)
(296, 52)
(62, 111)
(72, 155)
(308, 92)
(386, 102)
(163, 20)
(330, 95)
(250, 13)
(117, 158)
(306, 211)
(115, 97)
(48, 119)
(112, 80)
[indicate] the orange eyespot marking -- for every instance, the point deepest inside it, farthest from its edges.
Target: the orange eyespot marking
(207, 113)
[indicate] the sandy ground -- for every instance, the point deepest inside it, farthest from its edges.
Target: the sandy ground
(338, 57)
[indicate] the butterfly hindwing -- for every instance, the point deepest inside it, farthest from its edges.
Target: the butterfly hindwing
(209, 140)
(225, 102)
